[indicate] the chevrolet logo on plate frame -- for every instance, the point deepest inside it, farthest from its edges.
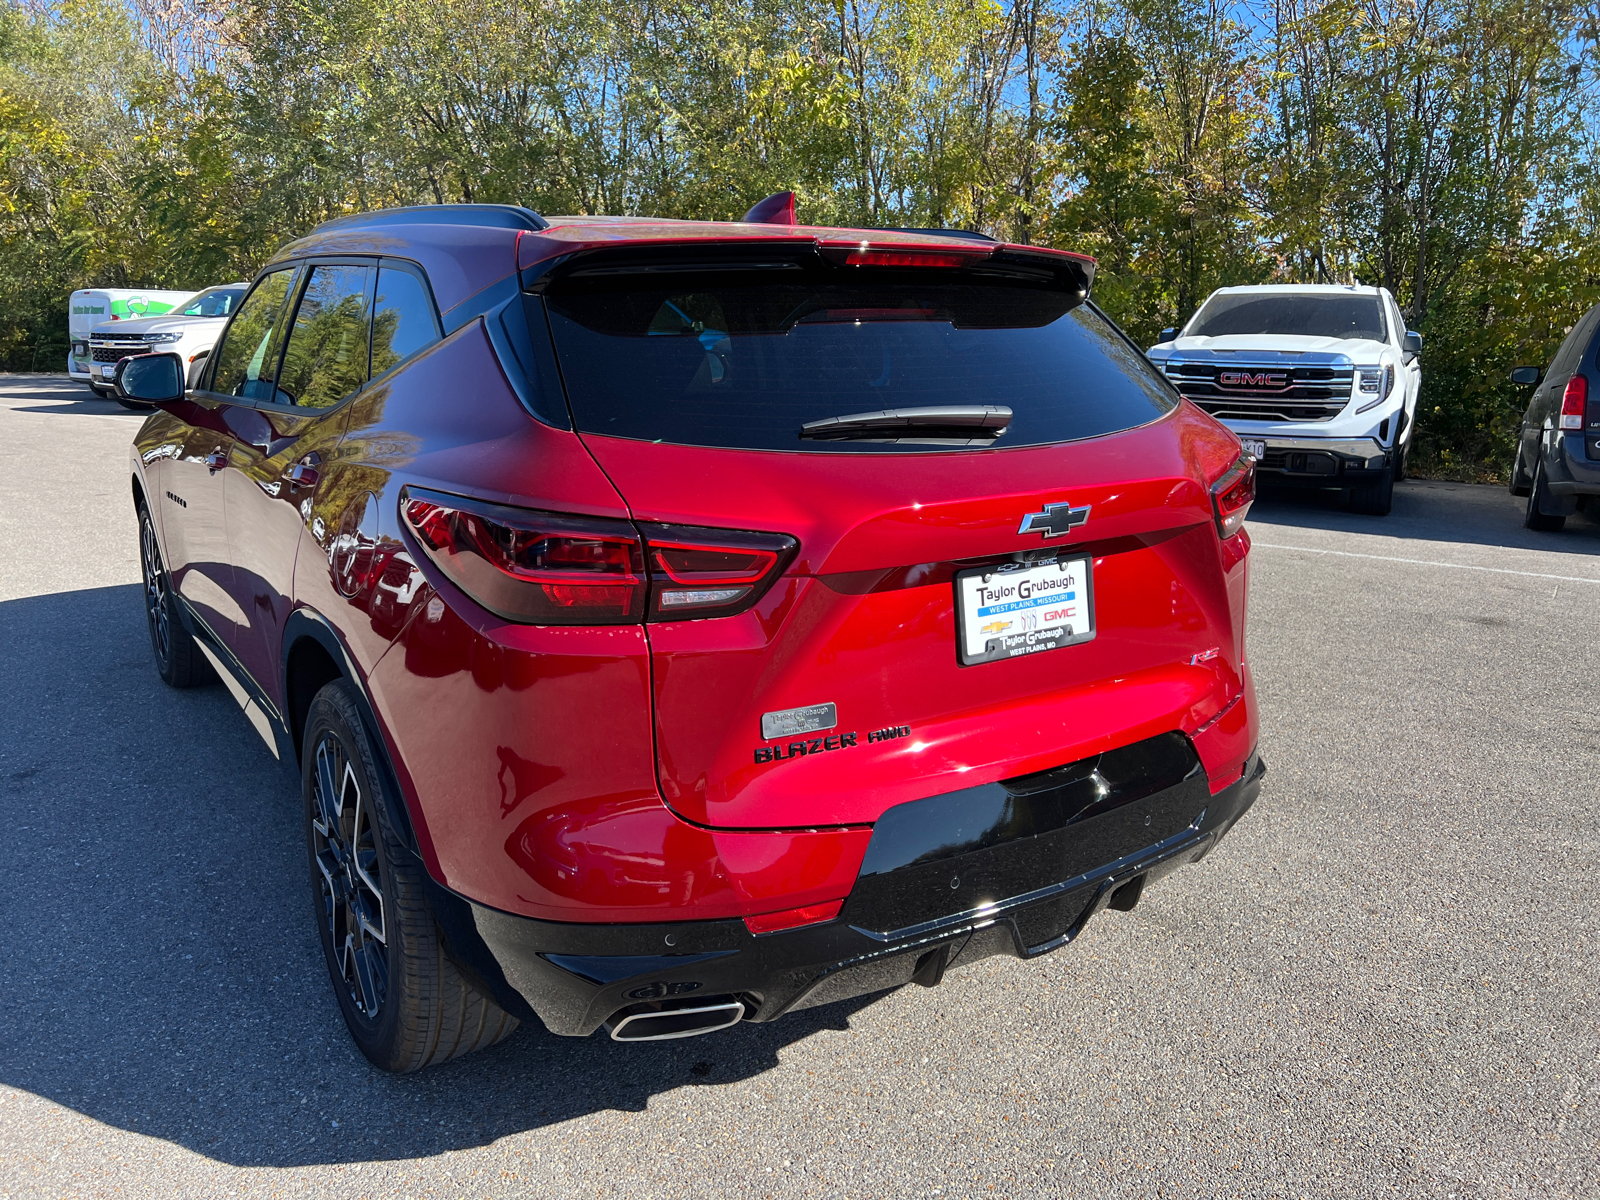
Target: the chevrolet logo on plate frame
(1057, 520)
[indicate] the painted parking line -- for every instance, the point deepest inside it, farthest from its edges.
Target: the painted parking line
(1426, 562)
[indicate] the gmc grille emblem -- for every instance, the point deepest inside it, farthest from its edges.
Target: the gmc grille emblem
(1247, 379)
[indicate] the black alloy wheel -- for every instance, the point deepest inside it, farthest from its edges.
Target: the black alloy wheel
(344, 849)
(179, 661)
(406, 1003)
(1534, 516)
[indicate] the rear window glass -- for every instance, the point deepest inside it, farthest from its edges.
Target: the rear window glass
(326, 359)
(744, 362)
(403, 320)
(1289, 316)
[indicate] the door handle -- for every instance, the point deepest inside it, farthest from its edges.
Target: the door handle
(216, 460)
(304, 473)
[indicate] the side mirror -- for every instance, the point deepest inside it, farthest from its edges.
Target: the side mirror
(1167, 335)
(150, 378)
(1412, 345)
(1526, 376)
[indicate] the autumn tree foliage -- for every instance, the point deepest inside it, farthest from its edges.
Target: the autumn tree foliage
(1442, 148)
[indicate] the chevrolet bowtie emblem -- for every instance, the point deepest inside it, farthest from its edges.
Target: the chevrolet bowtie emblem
(1056, 520)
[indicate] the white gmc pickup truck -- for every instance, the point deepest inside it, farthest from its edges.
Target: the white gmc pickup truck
(1319, 381)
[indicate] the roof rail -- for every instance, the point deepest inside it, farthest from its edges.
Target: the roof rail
(493, 216)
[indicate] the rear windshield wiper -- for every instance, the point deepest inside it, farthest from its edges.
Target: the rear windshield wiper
(954, 422)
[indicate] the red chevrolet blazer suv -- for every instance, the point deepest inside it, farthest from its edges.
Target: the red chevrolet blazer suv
(680, 623)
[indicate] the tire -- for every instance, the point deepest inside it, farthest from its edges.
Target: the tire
(179, 660)
(1534, 516)
(406, 1004)
(1520, 484)
(1374, 499)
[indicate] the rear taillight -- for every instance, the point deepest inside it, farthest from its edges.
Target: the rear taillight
(535, 567)
(545, 568)
(697, 572)
(1574, 401)
(1233, 494)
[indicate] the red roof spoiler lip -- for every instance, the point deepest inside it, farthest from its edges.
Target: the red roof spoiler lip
(540, 249)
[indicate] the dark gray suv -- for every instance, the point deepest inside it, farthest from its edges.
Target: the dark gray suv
(1557, 466)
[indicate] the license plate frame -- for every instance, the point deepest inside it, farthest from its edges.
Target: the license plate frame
(1051, 632)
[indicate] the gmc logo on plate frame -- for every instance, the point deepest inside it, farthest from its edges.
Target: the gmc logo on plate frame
(1262, 379)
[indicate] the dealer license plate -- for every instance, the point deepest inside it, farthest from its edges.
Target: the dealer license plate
(1009, 611)
(1254, 447)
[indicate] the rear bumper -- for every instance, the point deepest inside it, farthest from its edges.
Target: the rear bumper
(1009, 869)
(1570, 471)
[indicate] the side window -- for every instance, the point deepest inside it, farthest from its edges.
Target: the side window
(1398, 321)
(248, 360)
(1566, 359)
(402, 318)
(326, 359)
(1586, 331)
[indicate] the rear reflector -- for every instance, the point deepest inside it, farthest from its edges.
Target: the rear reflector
(536, 567)
(1233, 494)
(793, 918)
(1574, 401)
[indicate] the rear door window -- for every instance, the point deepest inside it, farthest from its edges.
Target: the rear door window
(403, 321)
(247, 364)
(744, 359)
(326, 358)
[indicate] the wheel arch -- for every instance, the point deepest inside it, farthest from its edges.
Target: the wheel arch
(313, 656)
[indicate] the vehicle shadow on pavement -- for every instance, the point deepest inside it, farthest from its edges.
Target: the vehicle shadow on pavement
(56, 394)
(83, 408)
(1425, 510)
(158, 956)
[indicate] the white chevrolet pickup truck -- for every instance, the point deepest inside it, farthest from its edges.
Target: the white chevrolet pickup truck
(1319, 381)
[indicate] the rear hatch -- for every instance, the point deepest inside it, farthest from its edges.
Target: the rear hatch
(960, 607)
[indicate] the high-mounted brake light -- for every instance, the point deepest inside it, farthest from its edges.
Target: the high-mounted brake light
(1232, 496)
(1574, 402)
(545, 568)
(536, 567)
(902, 258)
(697, 572)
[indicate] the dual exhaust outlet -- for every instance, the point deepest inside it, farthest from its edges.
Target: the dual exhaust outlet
(675, 1019)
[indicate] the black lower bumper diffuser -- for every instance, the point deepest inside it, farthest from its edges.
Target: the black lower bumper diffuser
(1016, 867)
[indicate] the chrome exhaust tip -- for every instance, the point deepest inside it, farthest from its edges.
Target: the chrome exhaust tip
(663, 1024)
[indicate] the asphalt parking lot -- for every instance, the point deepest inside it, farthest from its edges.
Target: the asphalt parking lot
(1384, 983)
